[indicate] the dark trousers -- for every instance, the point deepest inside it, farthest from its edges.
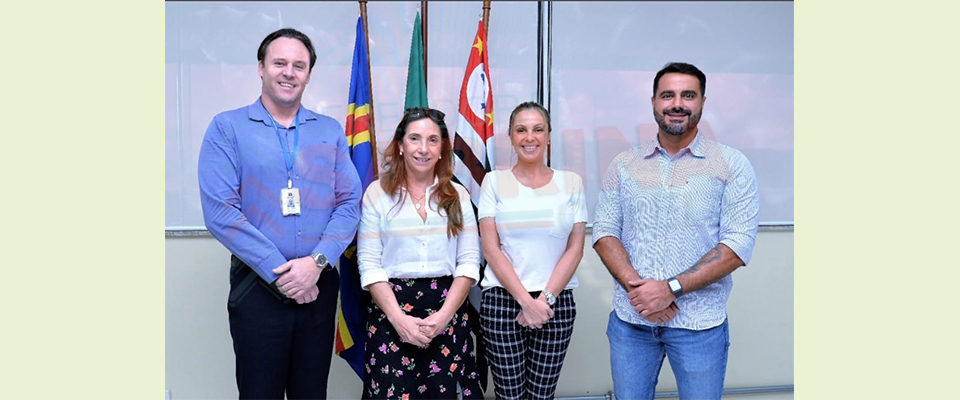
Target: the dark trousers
(281, 347)
(525, 362)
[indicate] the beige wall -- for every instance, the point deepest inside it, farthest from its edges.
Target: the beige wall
(199, 356)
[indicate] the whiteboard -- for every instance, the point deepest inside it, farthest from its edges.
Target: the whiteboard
(603, 56)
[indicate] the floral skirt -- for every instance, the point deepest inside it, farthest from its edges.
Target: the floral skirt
(397, 370)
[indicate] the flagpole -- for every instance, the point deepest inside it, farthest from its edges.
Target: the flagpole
(486, 30)
(486, 18)
(481, 351)
(423, 36)
(373, 136)
(546, 81)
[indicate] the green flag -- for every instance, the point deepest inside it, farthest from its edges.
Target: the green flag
(416, 79)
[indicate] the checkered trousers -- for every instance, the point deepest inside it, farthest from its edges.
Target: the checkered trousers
(525, 362)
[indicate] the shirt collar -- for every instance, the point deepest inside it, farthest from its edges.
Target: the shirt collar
(258, 112)
(696, 148)
(648, 149)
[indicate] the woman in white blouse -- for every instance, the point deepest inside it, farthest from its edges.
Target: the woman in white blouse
(418, 254)
(532, 224)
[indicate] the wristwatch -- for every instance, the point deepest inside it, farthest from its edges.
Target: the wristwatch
(321, 261)
(551, 299)
(675, 287)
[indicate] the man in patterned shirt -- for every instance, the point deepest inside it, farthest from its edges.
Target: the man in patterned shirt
(675, 217)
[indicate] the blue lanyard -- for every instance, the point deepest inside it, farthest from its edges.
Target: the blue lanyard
(289, 156)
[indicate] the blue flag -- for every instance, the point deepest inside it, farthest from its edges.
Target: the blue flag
(351, 322)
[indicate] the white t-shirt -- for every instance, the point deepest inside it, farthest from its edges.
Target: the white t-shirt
(394, 242)
(533, 224)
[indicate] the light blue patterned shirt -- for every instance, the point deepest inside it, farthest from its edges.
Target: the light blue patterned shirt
(669, 211)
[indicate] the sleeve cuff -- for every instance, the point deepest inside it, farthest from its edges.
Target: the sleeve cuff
(371, 277)
(471, 271)
(330, 251)
(597, 235)
(744, 252)
(265, 268)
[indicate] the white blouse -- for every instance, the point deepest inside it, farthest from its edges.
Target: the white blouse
(394, 242)
(533, 224)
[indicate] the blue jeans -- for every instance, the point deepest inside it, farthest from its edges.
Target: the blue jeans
(698, 359)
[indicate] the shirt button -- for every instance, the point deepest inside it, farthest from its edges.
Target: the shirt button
(423, 244)
(422, 266)
(298, 233)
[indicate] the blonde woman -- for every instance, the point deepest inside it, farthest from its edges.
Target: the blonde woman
(532, 224)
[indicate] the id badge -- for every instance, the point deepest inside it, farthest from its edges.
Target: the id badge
(290, 201)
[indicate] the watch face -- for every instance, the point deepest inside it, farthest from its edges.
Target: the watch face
(674, 285)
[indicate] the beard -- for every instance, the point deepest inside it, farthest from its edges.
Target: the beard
(676, 129)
